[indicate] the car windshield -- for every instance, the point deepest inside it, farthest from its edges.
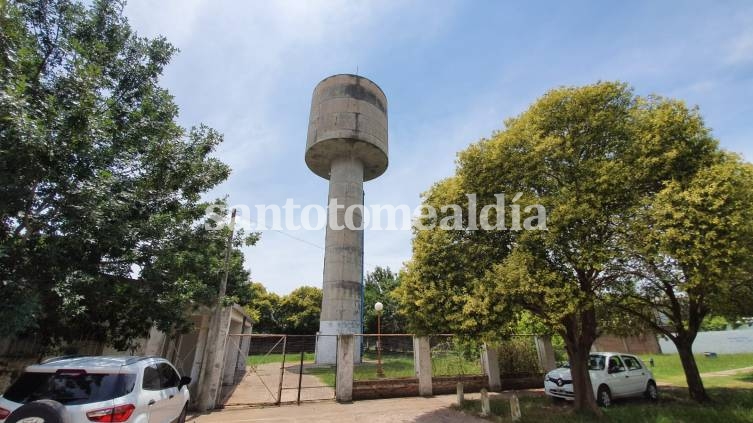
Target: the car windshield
(70, 389)
(596, 362)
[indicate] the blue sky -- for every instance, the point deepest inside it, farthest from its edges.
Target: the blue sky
(452, 72)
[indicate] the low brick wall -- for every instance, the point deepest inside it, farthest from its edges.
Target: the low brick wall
(408, 387)
(449, 384)
(385, 388)
(522, 382)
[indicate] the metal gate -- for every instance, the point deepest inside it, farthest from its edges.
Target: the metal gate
(281, 369)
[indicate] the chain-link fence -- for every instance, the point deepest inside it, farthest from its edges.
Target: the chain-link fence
(283, 369)
(518, 357)
(453, 356)
(385, 357)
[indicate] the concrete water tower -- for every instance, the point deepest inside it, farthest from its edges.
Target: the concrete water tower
(347, 145)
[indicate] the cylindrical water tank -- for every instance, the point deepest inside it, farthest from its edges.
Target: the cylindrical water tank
(348, 119)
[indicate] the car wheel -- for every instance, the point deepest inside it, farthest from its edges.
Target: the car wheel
(652, 392)
(182, 417)
(604, 396)
(46, 411)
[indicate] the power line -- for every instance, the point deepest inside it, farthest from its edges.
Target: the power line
(308, 242)
(297, 239)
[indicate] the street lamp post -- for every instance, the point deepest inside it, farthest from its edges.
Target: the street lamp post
(378, 307)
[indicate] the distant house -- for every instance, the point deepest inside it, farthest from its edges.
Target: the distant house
(645, 343)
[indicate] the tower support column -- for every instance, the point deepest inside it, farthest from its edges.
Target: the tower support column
(343, 266)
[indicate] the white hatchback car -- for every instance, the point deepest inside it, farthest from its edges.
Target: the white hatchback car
(613, 375)
(99, 389)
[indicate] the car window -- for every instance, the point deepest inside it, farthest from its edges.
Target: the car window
(615, 364)
(631, 363)
(168, 376)
(152, 380)
(70, 388)
(596, 362)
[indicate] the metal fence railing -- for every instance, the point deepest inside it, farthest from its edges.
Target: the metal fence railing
(283, 369)
(453, 356)
(518, 357)
(386, 356)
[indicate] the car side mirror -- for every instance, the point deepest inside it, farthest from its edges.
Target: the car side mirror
(184, 381)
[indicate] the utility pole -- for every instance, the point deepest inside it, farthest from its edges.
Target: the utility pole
(210, 383)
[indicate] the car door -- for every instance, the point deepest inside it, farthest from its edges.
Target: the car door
(618, 377)
(153, 396)
(638, 377)
(170, 380)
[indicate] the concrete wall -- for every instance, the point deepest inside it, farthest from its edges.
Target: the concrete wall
(232, 348)
(722, 342)
(11, 368)
(16, 354)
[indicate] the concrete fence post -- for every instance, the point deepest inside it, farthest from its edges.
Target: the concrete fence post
(486, 409)
(461, 394)
(545, 351)
(490, 362)
(422, 365)
(515, 413)
(345, 355)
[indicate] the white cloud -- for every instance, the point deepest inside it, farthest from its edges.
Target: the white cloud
(247, 68)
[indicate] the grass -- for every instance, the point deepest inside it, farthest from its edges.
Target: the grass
(394, 365)
(729, 406)
(667, 367)
(400, 365)
(454, 364)
(255, 360)
(732, 397)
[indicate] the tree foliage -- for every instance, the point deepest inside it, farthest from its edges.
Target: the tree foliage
(100, 188)
(296, 313)
(380, 286)
(301, 310)
(595, 157)
(688, 257)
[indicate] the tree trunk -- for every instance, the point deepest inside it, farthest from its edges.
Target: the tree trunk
(578, 344)
(584, 395)
(692, 375)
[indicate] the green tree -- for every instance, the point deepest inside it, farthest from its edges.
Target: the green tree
(296, 313)
(690, 250)
(591, 156)
(264, 309)
(380, 286)
(100, 188)
(301, 310)
(714, 323)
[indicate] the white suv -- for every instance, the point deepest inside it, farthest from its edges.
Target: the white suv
(98, 389)
(613, 375)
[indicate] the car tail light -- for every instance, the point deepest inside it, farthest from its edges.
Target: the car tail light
(71, 372)
(4, 413)
(120, 413)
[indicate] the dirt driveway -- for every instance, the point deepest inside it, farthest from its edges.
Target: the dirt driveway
(260, 385)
